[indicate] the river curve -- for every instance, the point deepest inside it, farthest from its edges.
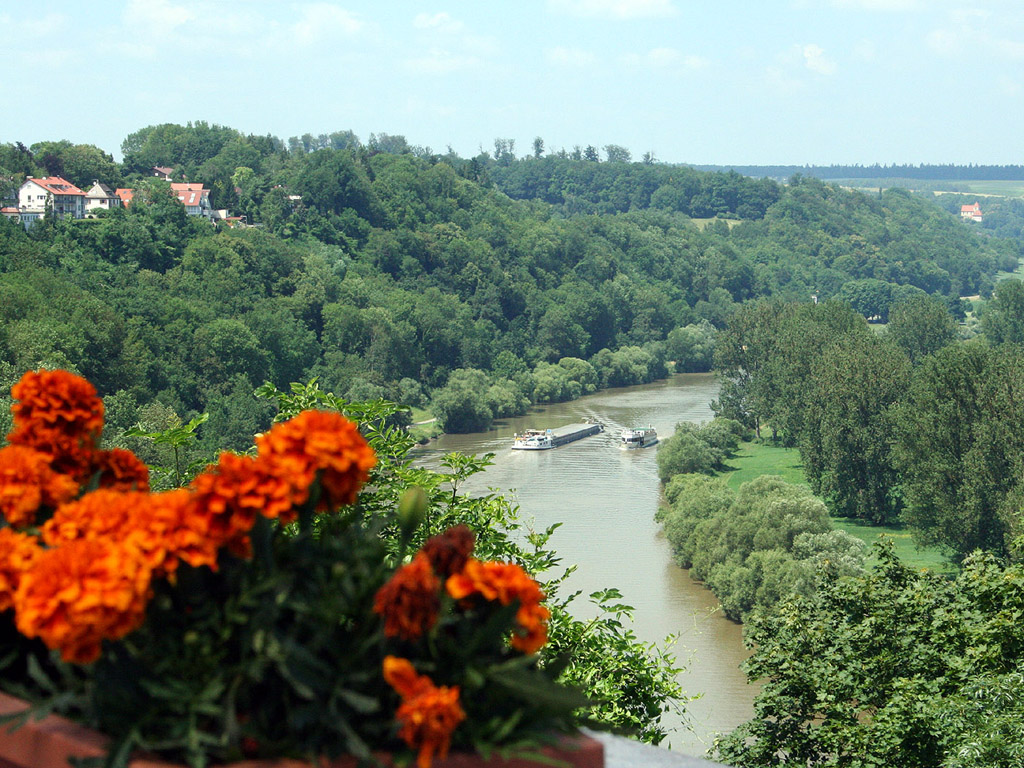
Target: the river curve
(606, 499)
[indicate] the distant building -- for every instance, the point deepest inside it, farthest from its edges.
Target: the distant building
(11, 212)
(52, 193)
(162, 172)
(124, 195)
(195, 198)
(102, 197)
(972, 212)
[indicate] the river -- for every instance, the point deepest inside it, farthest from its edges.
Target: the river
(606, 499)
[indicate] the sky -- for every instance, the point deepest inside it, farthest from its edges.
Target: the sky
(761, 82)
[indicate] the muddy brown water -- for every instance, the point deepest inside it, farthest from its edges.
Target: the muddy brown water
(605, 499)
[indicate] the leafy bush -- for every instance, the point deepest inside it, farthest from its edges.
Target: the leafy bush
(891, 667)
(754, 547)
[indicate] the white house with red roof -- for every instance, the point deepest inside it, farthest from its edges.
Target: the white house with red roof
(972, 212)
(195, 198)
(53, 193)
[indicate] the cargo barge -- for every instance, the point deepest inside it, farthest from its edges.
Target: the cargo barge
(543, 439)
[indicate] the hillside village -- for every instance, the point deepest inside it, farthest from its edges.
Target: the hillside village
(37, 196)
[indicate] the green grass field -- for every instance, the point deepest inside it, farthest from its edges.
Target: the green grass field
(423, 426)
(702, 223)
(756, 459)
(998, 188)
(1009, 188)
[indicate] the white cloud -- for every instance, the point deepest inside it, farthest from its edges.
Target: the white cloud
(944, 42)
(779, 80)
(570, 57)
(13, 32)
(135, 50)
(973, 33)
(865, 50)
(157, 16)
(441, 62)
(1008, 86)
(323, 20)
(441, 22)
(879, 5)
(1009, 49)
(816, 60)
(668, 59)
(615, 9)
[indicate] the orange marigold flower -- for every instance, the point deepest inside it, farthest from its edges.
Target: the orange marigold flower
(17, 553)
(27, 482)
(401, 675)
(409, 602)
(156, 524)
(506, 583)
(449, 551)
(428, 715)
(318, 443)
(77, 595)
(101, 515)
(531, 634)
(120, 470)
(229, 495)
(60, 414)
(165, 530)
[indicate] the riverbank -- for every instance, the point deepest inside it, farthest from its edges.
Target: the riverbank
(762, 458)
(603, 502)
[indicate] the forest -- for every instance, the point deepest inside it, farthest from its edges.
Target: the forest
(914, 425)
(475, 287)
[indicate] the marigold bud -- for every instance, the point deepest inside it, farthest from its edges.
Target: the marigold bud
(412, 509)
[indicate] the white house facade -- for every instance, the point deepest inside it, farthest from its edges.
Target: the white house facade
(195, 198)
(101, 196)
(52, 193)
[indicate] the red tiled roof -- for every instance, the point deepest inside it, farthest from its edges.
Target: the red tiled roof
(9, 209)
(972, 208)
(189, 194)
(55, 185)
(126, 195)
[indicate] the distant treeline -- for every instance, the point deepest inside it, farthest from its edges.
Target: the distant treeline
(946, 172)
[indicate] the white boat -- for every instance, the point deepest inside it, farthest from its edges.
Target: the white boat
(631, 439)
(533, 440)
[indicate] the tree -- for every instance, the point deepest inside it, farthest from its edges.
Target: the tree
(784, 382)
(1003, 318)
(461, 405)
(895, 667)
(845, 444)
(920, 326)
(686, 452)
(538, 147)
(617, 154)
(870, 297)
(955, 447)
(692, 347)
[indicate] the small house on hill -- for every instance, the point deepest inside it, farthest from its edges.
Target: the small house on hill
(195, 198)
(972, 212)
(101, 196)
(58, 195)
